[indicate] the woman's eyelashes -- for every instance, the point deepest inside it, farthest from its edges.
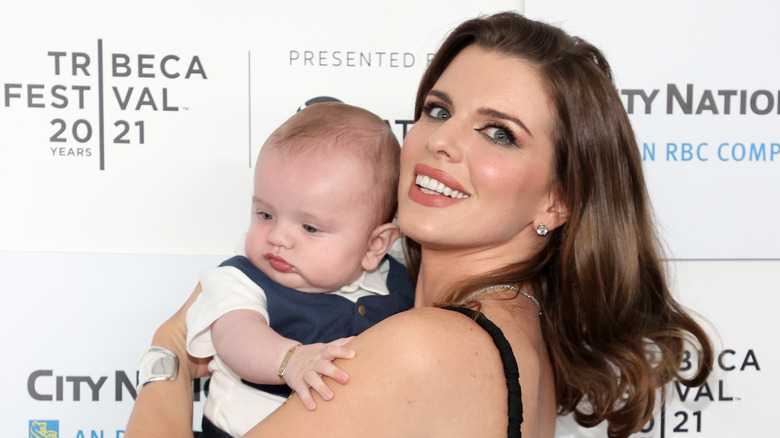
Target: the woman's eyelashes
(436, 111)
(496, 132)
(499, 134)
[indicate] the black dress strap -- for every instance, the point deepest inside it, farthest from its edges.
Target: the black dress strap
(511, 372)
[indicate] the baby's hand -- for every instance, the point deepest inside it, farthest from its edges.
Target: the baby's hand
(309, 363)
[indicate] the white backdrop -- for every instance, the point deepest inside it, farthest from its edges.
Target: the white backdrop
(127, 135)
(714, 198)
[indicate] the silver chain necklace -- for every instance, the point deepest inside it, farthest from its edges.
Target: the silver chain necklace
(503, 286)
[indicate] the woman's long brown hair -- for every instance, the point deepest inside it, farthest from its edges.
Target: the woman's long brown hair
(614, 333)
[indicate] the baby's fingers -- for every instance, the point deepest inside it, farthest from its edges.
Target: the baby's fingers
(340, 342)
(332, 371)
(333, 351)
(306, 398)
(315, 381)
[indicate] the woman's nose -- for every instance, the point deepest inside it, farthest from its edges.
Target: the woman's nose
(445, 141)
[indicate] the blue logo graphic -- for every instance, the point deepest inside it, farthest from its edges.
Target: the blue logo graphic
(44, 428)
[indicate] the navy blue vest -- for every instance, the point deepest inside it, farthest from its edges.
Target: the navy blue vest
(315, 317)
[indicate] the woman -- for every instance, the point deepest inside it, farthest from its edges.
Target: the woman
(521, 197)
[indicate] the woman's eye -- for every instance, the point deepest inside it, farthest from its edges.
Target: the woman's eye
(499, 135)
(309, 229)
(264, 216)
(437, 112)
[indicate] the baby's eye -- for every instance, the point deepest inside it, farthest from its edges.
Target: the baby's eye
(265, 216)
(437, 112)
(309, 229)
(499, 135)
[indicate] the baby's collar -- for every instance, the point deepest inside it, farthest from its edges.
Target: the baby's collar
(371, 281)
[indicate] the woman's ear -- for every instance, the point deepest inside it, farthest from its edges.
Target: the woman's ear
(379, 243)
(556, 214)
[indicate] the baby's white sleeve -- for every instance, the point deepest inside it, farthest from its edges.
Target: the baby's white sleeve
(224, 289)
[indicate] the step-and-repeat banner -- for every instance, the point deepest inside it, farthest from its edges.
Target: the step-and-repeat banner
(702, 86)
(128, 134)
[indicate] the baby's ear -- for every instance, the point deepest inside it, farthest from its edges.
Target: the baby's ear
(379, 243)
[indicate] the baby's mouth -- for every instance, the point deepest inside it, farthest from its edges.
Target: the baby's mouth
(279, 264)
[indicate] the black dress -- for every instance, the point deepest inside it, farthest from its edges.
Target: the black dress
(510, 368)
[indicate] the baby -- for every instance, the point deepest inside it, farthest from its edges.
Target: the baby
(316, 269)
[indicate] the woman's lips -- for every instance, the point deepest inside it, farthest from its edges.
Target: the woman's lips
(279, 263)
(443, 177)
(442, 192)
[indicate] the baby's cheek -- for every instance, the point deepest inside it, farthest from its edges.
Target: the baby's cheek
(253, 247)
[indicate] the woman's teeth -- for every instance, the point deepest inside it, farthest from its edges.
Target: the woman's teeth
(430, 186)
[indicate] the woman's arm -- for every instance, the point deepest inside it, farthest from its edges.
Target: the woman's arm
(164, 409)
(424, 372)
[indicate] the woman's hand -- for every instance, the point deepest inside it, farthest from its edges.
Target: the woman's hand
(164, 408)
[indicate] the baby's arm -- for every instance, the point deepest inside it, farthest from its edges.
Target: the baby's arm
(254, 351)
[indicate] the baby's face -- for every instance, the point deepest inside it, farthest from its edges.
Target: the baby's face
(311, 218)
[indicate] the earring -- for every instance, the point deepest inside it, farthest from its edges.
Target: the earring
(541, 230)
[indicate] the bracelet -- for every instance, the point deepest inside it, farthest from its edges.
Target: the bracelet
(283, 366)
(157, 364)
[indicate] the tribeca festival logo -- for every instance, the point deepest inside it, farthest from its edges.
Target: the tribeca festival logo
(690, 415)
(92, 93)
(44, 429)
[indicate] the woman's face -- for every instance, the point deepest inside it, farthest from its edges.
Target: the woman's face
(484, 136)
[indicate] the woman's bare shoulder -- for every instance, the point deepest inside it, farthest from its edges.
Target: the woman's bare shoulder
(430, 345)
(422, 372)
(430, 327)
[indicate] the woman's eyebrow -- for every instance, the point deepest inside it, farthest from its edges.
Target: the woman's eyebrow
(441, 95)
(490, 112)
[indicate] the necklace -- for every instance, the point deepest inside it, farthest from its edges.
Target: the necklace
(503, 286)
